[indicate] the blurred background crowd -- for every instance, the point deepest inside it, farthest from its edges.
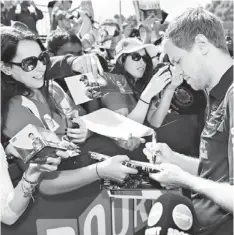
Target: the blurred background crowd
(43, 16)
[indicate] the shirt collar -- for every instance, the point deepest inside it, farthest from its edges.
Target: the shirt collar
(219, 91)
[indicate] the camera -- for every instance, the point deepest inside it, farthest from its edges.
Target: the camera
(161, 65)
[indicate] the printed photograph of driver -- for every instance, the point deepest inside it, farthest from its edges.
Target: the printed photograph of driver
(104, 84)
(36, 142)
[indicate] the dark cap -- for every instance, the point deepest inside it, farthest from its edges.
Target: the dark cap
(171, 214)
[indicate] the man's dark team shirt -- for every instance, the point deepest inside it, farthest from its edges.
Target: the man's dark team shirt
(216, 156)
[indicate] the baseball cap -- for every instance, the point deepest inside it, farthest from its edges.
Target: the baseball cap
(171, 214)
(129, 45)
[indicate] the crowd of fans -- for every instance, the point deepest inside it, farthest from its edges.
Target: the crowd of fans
(193, 53)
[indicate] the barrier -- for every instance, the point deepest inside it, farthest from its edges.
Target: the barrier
(86, 211)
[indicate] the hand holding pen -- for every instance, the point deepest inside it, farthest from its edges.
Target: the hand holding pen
(154, 147)
(152, 150)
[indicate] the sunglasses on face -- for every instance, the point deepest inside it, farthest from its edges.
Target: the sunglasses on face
(30, 63)
(137, 57)
(116, 33)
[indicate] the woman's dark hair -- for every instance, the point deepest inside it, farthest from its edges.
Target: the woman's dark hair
(10, 38)
(57, 38)
(142, 82)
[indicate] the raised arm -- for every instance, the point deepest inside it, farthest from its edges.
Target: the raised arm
(154, 87)
(157, 114)
(39, 14)
(65, 66)
(220, 193)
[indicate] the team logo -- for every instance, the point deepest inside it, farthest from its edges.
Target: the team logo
(182, 217)
(155, 214)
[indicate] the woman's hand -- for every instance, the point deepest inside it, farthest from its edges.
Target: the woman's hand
(113, 169)
(147, 23)
(88, 63)
(130, 144)
(34, 169)
(156, 84)
(177, 79)
(80, 134)
(50, 165)
(86, 25)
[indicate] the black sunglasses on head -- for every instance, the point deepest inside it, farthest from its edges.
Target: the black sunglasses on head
(30, 63)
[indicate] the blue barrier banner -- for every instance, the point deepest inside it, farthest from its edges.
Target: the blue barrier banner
(57, 226)
(122, 216)
(86, 211)
(96, 219)
(141, 211)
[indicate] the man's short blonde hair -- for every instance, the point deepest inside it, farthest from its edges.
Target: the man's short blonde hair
(183, 30)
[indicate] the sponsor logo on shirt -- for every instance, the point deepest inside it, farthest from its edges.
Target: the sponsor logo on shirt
(182, 217)
(155, 214)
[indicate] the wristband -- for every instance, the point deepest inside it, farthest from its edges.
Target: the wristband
(28, 189)
(97, 172)
(144, 101)
(29, 182)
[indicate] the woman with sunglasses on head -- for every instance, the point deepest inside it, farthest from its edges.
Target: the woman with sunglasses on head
(135, 61)
(26, 82)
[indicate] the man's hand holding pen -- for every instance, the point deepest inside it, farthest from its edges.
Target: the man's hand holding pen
(163, 152)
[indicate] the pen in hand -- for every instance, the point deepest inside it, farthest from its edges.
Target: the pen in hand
(154, 143)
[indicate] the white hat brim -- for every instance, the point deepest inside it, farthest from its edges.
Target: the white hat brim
(151, 49)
